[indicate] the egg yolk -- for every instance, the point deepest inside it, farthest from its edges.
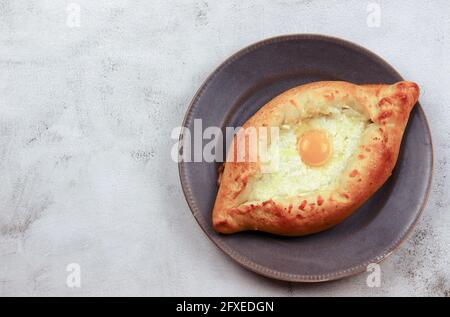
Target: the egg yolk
(314, 147)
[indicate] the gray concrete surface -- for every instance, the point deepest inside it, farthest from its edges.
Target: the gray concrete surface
(86, 113)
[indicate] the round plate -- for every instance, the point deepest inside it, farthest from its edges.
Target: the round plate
(247, 81)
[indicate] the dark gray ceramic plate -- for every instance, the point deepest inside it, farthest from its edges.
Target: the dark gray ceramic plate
(244, 83)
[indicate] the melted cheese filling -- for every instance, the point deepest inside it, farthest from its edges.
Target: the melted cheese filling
(286, 174)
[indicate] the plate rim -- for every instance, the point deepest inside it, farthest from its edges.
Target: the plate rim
(243, 260)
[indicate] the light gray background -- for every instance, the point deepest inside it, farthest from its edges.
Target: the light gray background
(85, 120)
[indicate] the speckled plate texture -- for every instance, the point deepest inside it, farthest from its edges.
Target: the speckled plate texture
(248, 80)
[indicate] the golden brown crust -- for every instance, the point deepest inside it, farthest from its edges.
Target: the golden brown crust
(387, 106)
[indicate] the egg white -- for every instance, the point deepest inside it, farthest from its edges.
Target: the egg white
(285, 174)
